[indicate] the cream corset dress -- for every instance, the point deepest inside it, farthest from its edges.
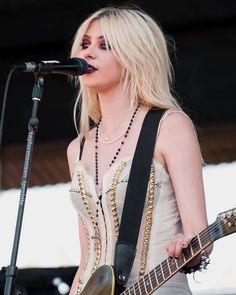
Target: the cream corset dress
(160, 222)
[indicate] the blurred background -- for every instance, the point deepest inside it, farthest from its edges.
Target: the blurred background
(202, 35)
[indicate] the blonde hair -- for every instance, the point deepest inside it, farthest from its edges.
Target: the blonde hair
(139, 45)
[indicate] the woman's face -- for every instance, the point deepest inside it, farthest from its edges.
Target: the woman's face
(106, 71)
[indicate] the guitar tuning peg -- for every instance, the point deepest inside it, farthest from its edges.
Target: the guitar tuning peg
(222, 216)
(229, 213)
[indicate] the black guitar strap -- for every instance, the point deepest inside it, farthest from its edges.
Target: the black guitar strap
(135, 197)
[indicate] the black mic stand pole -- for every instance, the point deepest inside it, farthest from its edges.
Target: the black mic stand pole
(11, 270)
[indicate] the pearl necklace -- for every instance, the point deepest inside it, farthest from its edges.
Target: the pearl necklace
(125, 134)
(107, 140)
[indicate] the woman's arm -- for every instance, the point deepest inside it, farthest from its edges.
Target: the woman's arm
(181, 153)
(72, 153)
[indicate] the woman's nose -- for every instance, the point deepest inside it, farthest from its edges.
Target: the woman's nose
(90, 52)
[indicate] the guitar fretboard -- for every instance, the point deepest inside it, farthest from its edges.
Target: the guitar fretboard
(160, 274)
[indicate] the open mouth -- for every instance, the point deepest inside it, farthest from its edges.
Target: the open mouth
(91, 69)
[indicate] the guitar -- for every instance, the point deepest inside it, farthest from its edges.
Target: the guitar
(102, 282)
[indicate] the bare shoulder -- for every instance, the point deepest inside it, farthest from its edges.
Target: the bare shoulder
(177, 134)
(176, 125)
(72, 152)
(73, 147)
(172, 117)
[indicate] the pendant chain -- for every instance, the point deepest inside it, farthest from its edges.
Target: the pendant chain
(107, 139)
(119, 148)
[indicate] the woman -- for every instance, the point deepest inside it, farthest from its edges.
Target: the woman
(130, 72)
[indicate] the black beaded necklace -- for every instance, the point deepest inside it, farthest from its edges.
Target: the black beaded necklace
(118, 150)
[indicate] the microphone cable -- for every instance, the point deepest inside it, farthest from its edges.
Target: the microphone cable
(4, 102)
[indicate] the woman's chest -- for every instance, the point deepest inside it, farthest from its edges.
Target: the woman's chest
(109, 200)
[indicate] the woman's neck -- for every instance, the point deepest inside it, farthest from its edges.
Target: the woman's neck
(115, 107)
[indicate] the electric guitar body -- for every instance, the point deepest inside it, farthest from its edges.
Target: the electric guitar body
(102, 282)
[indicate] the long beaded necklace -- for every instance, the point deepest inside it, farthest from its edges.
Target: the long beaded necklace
(119, 148)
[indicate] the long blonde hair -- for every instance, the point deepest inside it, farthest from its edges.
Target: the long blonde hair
(139, 45)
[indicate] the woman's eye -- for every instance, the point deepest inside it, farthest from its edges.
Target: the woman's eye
(105, 46)
(84, 45)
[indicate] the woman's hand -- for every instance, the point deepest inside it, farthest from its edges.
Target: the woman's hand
(177, 244)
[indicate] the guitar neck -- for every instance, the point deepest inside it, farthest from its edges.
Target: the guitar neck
(103, 279)
(166, 269)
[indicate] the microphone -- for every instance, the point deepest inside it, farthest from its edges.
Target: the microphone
(72, 67)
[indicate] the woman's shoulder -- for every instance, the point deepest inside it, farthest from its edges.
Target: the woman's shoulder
(73, 150)
(177, 138)
(175, 113)
(175, 127)
(73, 147)
(175, 120)
(177, 130)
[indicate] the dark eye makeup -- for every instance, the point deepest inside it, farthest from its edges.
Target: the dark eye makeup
(103, 45)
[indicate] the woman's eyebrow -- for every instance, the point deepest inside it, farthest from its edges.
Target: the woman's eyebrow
(87, 36)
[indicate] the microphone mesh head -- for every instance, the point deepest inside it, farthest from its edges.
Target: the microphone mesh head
(82, 65)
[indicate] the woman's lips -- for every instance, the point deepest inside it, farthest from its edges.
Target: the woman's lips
(91, 69)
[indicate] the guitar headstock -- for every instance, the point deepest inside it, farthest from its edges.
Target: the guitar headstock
(227, 222)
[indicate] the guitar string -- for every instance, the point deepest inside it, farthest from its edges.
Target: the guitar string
(157, 270)
(138, 287)
(204, 237)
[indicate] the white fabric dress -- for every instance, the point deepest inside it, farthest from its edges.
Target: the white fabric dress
(160, 222)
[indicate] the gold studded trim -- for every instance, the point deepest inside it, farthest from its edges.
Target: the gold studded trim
(73, 190)
(92, 216)
(148, 224)
(80, 282)
(112, 191)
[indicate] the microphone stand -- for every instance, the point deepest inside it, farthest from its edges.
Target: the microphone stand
(11, 270)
